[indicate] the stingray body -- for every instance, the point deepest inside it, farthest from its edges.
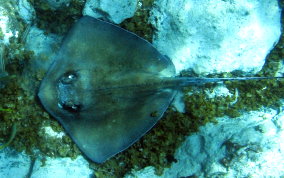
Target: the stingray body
(108, 87)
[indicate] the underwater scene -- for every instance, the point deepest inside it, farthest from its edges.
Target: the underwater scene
(141, 88)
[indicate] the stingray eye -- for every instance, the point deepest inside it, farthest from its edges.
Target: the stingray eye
(71, 107)
(69, 77)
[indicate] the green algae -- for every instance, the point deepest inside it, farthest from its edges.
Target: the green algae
(12, 136)
(139, 22)
(1, 34)
(57, 21)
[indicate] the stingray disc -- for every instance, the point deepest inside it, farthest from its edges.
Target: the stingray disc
(105, 87)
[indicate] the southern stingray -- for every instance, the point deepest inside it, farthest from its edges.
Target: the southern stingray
(108, 87)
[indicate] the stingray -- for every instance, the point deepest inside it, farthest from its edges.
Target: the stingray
(108, 87)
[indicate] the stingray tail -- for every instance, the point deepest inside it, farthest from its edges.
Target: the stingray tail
(190, 81)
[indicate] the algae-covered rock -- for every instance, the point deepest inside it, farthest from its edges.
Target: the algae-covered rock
(216, 36)
(112, 10)
(57, 4)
